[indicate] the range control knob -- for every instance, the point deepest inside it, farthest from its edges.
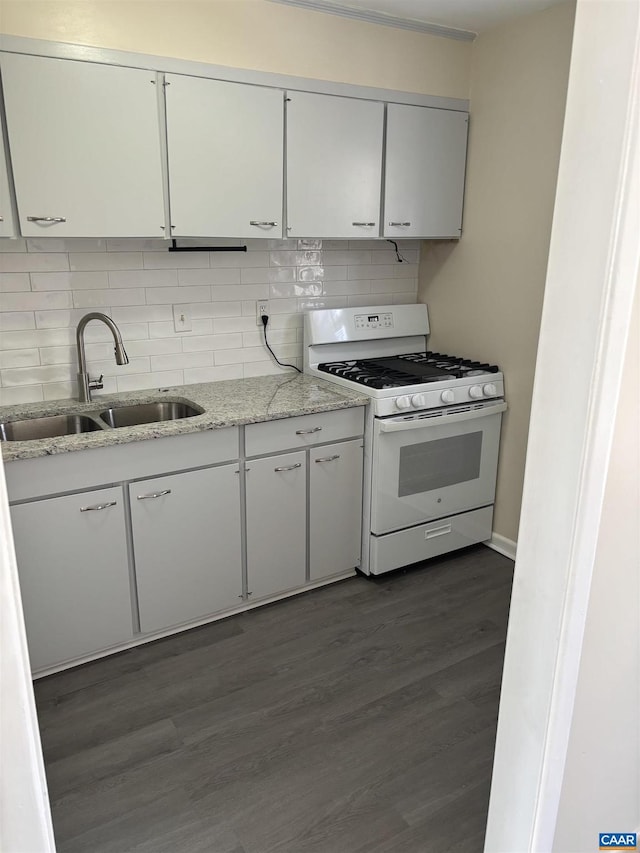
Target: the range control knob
(476, 392)
(490, 390)
(419, 401)
(403, 402)
(448, 396)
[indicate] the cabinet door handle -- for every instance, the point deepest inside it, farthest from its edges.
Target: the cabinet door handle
(366, 224)
(154, 495)
(400, 223)
(1, 218)
(328, 458)
(288, 467)
(260, 224)
(46, 219)
(307, 431)
(97, 507)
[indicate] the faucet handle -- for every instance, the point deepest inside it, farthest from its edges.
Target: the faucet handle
(96, 384)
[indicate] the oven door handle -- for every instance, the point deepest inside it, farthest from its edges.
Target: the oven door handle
(425, 423)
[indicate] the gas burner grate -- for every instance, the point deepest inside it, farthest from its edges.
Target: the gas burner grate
(411, 369)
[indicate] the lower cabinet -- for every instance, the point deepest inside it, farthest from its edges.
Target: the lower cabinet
(335, 508)
(276, 524)
(74, 574)
(187, 545)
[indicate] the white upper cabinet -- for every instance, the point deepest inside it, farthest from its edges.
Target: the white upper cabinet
(225, 144)
(7, 223)
(424, 171)
(334, 166)
(85, 148)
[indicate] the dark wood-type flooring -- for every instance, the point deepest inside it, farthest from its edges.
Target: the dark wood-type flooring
(358, 718)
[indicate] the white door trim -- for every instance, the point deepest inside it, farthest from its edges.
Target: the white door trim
(25, 817)
(591, 279)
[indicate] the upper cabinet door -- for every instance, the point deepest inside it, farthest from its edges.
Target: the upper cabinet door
(85, 148)
(7, 223)
(424, 174)
(225, 143)
(334, 166)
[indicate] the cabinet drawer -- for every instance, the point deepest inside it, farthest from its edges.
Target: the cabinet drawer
(303, 431)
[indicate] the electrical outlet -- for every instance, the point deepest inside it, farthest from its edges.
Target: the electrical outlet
(182, 318)
(262, 307)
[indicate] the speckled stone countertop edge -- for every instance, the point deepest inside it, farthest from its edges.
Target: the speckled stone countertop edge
(228, 403)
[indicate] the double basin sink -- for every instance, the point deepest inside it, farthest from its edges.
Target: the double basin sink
(30, 429)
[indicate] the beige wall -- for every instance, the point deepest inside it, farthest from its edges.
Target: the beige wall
(485, 292)
(253, 34)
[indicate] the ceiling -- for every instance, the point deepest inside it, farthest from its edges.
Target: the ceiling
(472, 16)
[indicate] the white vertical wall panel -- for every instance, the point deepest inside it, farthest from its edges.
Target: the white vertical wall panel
(186, 545)
(276, 524)
(424, 171)
(74, 575)
(334, 166)
(225, 144)
(7, 223)
(335, 514)
(85, 146)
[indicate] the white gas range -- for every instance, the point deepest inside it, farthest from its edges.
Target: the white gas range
(432, 434)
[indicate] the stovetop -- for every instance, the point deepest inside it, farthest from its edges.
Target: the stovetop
(402, 370)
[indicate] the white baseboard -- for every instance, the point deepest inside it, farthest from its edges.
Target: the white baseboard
(502, 545)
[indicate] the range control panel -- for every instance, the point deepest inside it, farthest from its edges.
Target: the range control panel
(374, 321)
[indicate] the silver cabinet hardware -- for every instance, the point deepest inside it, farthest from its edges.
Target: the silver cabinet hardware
(367, 224)
(328, 458)
(288, 467)
(259, 223)
(97, 507)
(46, 219)
(154, 495)
(1, 218)
(307, 431)
(400, 223)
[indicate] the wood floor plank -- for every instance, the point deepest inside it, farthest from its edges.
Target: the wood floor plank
(358, 718)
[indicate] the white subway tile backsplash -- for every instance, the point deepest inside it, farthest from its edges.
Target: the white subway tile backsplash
(83, 261)
(14, 282)
(224, 275)
(14, 320)
(20, 394)
(69, 280)
(169, 295)
(33, 262)
(48, 300)
(143, 278)
(47, 284)
(104, 298)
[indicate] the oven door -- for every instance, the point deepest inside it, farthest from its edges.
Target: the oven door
(434, 464)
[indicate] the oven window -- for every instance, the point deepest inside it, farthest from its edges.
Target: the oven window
(439, 463)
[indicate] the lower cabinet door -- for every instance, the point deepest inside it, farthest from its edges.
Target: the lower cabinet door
(276, 524)
(186, 542)
(74, 575)
(335, 513)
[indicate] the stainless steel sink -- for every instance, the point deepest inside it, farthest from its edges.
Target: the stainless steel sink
(149, 413)
(49, 427)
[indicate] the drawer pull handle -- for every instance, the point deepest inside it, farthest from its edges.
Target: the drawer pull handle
(288, 467)
(261, 224)
(308, 431)
(97, 507)
(328, 458)
(46, 219)
(405, 224)
(438, 531)
(365, 224)
(154, 495)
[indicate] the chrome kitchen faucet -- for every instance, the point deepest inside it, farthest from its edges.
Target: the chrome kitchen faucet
(86, 385)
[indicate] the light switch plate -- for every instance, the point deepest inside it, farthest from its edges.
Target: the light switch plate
(182, 318)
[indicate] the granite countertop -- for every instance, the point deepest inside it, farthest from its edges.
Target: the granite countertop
(227, 403)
